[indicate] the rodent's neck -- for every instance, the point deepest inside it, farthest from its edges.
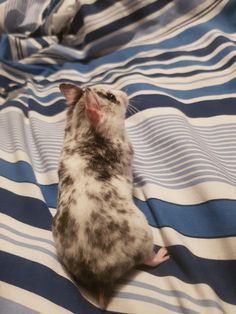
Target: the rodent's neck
(78, 129)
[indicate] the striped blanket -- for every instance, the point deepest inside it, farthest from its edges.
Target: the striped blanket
(176, 61)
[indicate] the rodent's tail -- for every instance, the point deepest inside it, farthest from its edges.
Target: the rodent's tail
(101, 299)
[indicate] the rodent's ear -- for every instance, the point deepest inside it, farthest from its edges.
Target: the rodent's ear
(92, 107)
(72, 93)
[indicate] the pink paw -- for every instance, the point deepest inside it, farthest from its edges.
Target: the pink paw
(158, 258)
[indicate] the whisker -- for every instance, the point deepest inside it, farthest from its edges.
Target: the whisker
(134, 108)
(132, 102)
(130, 110)
(126, 90)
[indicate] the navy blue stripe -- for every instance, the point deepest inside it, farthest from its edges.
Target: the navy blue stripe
(42, 42)
(5, 51)
(5, 81)
(86, 10)
(49, 9)
(32, 105)
(206, 108)
(15, 68)
(45, 282)
(219, 275)
(184, 74)
(216, 218)
(220, 40)
(96, 7)
(198, 109)
(193, 18)
(159, 213)
(21, 171)
(28, 210)
(124, 21)
(139, 14)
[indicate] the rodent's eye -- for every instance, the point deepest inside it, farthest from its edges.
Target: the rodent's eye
(111, 97)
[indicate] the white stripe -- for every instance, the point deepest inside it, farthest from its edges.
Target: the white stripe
(34, 255)
(207, 121)
(158, 35)
(214, 249)
(30, 299)
(13, 78)
(203, 42)
(21, 188)
(167, 233)
(196, 194)
(127, 69)
(112, 13)
(217, 249)
(167, 33)
(46, 177)
(52, 211)
(167, 283)
(60, 117)
(181, 83)
(141, 68)
(25, 228)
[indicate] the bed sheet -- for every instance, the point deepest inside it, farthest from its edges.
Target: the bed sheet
(176, 61)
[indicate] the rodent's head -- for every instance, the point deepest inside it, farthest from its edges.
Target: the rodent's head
(104, 108)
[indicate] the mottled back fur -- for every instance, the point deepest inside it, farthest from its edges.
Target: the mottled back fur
(99, 233)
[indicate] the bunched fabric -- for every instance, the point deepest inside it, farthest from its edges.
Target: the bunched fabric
(176, 61)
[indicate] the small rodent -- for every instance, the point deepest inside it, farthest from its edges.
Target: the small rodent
(99, 233)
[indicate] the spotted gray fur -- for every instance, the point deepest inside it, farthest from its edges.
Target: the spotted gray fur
(99, 233)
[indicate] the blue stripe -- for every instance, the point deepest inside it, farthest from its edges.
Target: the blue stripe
(159, 213)
(141, 62)
(5, 51)
(12, 67)
(10, 307)
(171, 293)
(205, 108)
(29, 246)
(25, 209)
(216, 218)
(125, 21)
(224, 88)
(218, 22)
(43, 281)
(50, 194)
(21, 171)
(49, 111)
(25, 235)
(172, 308)
(219, 275)
(86, 10)
(184, 74)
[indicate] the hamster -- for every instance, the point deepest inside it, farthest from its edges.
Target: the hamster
(98, 231)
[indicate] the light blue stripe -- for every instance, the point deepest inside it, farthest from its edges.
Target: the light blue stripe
(224, 88)
(25, 235)
(29, 246)
(191, 180)
(168, 306)
(175, 294)
(10, 307)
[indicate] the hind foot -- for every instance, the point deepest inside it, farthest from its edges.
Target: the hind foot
(157, 258)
